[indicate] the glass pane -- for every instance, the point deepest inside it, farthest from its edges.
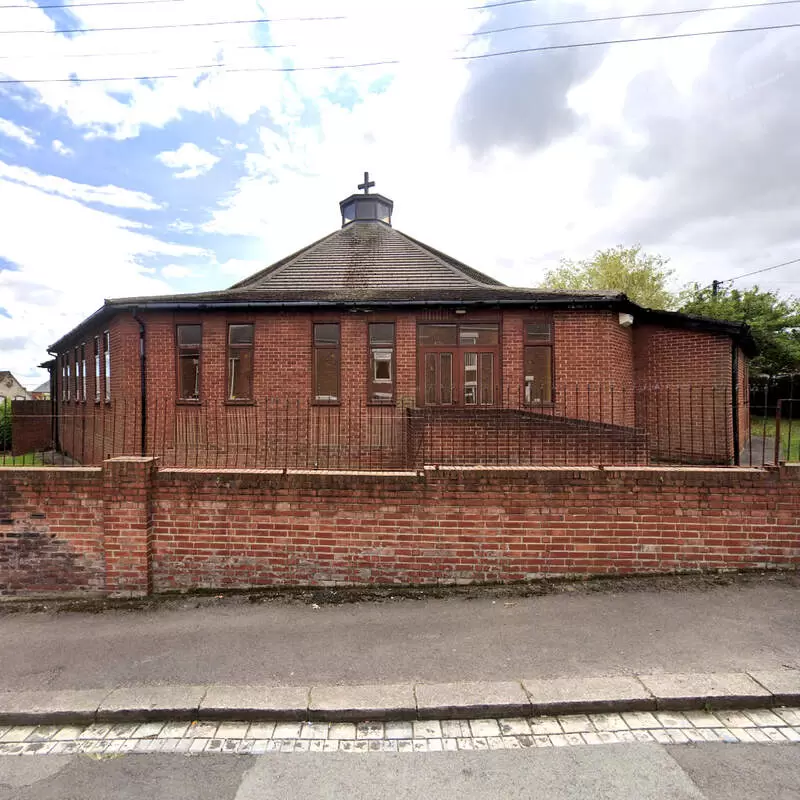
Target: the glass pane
(189, 376)
(437, 335)
(538, 375)
(487, 379)
(446, 368)
(382, 366)
(326, 333)
(240, 374)
(470, 379)
(478, 334)
(381, 333)
(189, 335)
(538, 331)
(430, 378)
(326, 373)
(240, 334)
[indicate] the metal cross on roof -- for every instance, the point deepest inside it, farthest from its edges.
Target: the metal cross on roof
(367, 185)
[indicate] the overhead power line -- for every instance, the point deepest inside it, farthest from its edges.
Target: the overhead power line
(472, 34)
(142, 2)
(643, 15)
(394, 62)
(763, 269)
(338, 18)
(164, 26)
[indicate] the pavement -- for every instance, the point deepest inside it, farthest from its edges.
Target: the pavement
(657, 647)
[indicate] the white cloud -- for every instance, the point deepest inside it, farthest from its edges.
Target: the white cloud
(190, 159)
(176, 271)
(106, 195)
(60, 148)
(18, 132)
(63, 276)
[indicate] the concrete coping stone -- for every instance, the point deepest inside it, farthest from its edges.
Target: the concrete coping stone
(355, 703)
(784, 685)
(68, 706)
(471, 700)
(588, 695)
(680, 692)
(405, 701)
(147, 703)
(260, 703)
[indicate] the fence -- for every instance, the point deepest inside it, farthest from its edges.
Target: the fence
(589, 424)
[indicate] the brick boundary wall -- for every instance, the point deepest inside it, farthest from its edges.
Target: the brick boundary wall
(129, 529)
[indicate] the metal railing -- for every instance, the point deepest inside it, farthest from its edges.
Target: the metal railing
(584, 424)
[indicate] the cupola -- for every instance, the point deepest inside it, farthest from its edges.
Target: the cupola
(366, 207)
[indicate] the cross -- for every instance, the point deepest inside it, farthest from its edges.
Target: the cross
(367, 185)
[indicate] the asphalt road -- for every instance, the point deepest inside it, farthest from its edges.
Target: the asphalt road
(734, 628)
(617, 772)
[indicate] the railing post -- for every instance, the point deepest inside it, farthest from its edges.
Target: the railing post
(777, 433)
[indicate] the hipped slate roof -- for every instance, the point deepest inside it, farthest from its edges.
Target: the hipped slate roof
(369, 263)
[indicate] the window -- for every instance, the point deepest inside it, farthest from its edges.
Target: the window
(240, 361)
(107, 373)
(64, 377)
(83, 372)
(538, 362)
(76, 374)
(458, 363)
(381, 362)
(189, 339)
(326, 362)
(97, 369)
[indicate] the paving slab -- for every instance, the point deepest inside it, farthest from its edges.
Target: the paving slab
(587, 695)
(712, 690)
(59, 707)
(471, 700)
(356, 703)
(256, 703)
(144, 703)
(784, 685)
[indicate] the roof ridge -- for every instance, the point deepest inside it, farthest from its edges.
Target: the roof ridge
(444, 259)
(281, 262)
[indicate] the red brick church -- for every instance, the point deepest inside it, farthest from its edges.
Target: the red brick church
(371, 349)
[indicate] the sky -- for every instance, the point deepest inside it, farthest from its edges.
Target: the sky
(182, 175)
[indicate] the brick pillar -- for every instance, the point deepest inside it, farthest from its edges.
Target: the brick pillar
(128, 521)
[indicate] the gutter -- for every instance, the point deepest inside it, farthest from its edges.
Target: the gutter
(142, 377)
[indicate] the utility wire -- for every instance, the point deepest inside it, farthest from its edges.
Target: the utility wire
(759, 271)
(473, 34)
(393, 62)
(142, 2)
(551, 24)
(635, 16)
(256, 21)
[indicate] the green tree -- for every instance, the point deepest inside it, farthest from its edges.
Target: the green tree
(774, 320)
(643, 277)
(5, 424)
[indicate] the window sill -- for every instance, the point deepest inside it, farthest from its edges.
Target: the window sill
(186, 402)
(384, 403)
(239, 402)
(334, 403)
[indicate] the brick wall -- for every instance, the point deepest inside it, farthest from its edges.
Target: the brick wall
(684, 401)
(127, 529)
(51, 530)
(454, 526)
(672, 383)
(517, 436)
(31, 426)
